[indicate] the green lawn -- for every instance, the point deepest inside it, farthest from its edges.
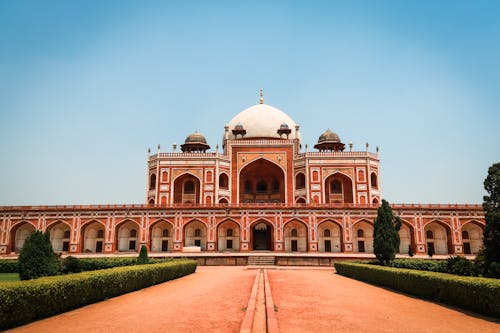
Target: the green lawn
(9, 277)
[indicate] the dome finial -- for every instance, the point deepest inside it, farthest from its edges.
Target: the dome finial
(261, 96)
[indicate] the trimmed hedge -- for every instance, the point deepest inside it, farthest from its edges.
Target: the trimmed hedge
(481, 295)
(26, 301)
(8, 266)
(87, 264)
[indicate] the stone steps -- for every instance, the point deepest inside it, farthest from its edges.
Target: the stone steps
(261, 260)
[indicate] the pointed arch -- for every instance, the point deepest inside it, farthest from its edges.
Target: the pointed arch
(262, 180)
(161, 233)
(126, 239)
(295, 235)
(195, 234)
(441, 241)
(330, 238)
(300, 181)
(223, 181)
(228, 235)
(19, 232)
(362, 236)
(472, 236)
(187, 188)
(60, 235)
(262, 235)
(338, 188)
(92, 236)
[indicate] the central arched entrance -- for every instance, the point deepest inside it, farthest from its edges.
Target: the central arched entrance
(262, 181)
(262, 236)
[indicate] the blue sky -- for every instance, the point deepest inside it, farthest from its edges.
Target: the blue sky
(87, 86)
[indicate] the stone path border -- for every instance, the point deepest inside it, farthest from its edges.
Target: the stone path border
(247, 323)
(260, 295)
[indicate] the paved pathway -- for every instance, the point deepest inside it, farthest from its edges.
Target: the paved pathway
(211, 300)
(320, 301)
(214, 299)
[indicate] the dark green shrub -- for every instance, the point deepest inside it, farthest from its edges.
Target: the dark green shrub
(143, 256)
(71, 264)
(385, 234)
(8, 266)
(459, 266)
(87, 264)
(25, 301)
(491, 233)
(37, 257)
(477, 294)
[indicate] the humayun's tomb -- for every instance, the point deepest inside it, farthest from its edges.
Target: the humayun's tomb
(261, 191)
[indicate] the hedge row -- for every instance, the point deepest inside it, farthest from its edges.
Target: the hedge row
(8, 266)
(87, 264)
(453, 265)
(481, 295)
(26, 301)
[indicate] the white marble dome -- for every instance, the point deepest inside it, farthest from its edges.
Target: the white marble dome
(262, 121)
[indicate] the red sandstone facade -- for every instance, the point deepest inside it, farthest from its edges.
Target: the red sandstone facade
(263, 191)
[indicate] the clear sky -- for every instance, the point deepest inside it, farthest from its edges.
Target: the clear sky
(87, 86)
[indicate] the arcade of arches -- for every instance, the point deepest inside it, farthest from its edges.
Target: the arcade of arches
(294, 235)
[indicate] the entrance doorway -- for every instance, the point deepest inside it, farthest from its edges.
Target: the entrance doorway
(261, 237)
(467, 249)
(328, 245)
(361, 246)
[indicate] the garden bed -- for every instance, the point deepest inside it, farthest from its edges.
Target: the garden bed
(481, 295)
(26, 301)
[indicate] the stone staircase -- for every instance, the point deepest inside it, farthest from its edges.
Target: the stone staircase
(261, 260)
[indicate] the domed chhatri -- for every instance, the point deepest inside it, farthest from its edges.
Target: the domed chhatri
(329, 141)
(195, 142)
(284, 129)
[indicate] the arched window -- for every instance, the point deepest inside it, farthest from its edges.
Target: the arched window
(197, 233)
(300, 181)
(152, 181)
(373, 179)
(164, 176)
(276, 186)
(465, 234)
(248, 187)
(66, 234)
(229, 232)
(429, 234)
(361, 233)
(151, 201)
(336, 186)
(133, 233)
(262, 187)
(165, 232)
(100, 233)
(223, 181)
(294, 232)
(326, 233)
(189, 187)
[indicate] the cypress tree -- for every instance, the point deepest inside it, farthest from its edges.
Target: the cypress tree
(37, 257)
(385, 234)
(143, 256)
(491, 234)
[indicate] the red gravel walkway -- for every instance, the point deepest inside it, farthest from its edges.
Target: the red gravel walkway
(211, 300)
(320, 301)
(214, 298)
